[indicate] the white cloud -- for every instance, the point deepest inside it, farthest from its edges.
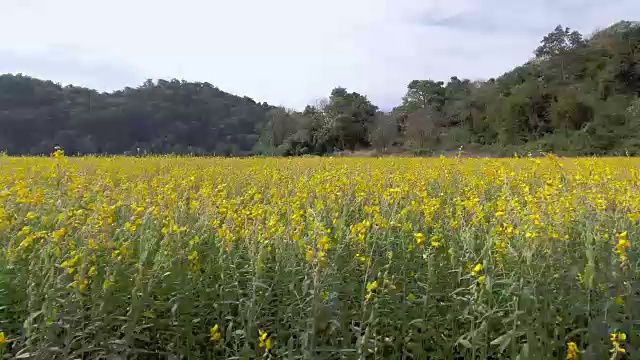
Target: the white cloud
(283, 51)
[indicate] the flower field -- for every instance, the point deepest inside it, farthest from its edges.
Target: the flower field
(319, 258)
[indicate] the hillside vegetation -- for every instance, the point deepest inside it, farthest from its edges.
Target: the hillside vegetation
(157, 117)
(577, 96)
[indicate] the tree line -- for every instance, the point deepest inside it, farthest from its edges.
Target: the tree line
(577, 96)
(157, 117)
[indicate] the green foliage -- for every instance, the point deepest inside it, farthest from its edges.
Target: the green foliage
(384, 132)
(577, 97)
(157, 117)
(424, 93)
(558, 41)
(343, 122)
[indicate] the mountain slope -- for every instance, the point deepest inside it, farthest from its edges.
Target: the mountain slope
(577, 96)
(157, 117)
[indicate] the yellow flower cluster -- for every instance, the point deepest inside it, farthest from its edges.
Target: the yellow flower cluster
(622, 247)
(617, 341)
(572, 351)
(250, 237)
(265, 340)
(215, 334)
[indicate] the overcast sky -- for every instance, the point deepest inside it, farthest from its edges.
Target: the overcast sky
(285, 52)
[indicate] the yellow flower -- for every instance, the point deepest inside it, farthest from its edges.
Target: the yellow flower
(215, 333)
(477, 269)
(572, 351)
(3, 339)
(24, 231)
(58, 234)
(106, 284)
(622, 247)
(616, 340)
(372, 286)
(623, 244)
(324, 294)
(323, 243)
(481, 279)
(265, 340)
(419, 237)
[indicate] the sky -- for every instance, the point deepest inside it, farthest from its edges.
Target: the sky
(285, 52)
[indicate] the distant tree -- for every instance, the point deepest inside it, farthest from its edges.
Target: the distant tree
(559, 41)
(568, 112)
(457, 100)
(422, 94)
(280, 125)
(557, 45)
(351, 115)
(383, 132)
(422, 126)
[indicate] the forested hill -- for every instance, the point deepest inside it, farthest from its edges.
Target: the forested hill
(577, 96)
(157, 117)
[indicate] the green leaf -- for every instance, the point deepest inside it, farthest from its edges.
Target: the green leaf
(503, 340)
(465, 343)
